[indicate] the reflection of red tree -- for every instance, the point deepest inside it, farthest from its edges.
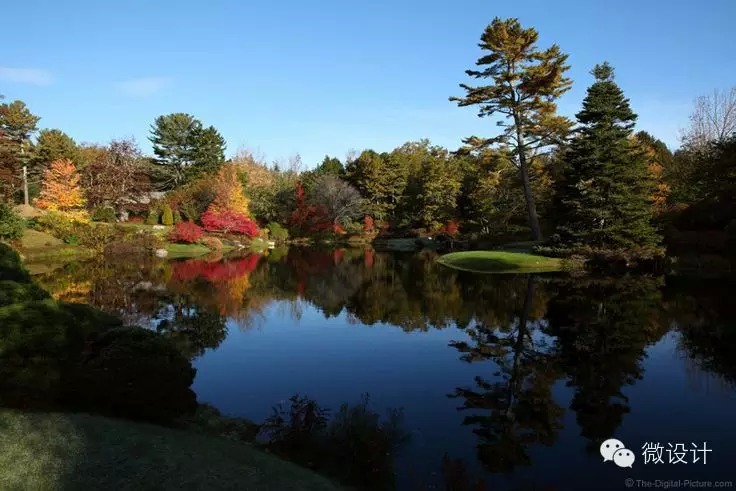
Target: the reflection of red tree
(228, 280)
(308, 262)
(215, 271)
(337, 256)
(369, 258)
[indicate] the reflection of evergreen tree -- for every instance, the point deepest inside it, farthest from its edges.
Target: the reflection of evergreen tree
(194, 330)
(602, 328)
(519, 401)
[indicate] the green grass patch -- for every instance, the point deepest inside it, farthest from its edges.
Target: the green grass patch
(500, 262)
(48, 451)
(178, 251)
(40, 246)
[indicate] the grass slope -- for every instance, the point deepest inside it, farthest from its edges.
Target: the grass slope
(49, 451)
(500, 262)
(36, 245)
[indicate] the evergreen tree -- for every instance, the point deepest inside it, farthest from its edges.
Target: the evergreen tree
(330, 166)
(605, 198)
(185, 148)
(526, 81)
(17, 124)
(209, 152)
(54, 145)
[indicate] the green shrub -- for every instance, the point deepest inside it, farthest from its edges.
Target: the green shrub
(11, 225)
(56, 224)
(152, 218)
(177, 217)
(18, 292)
(277, 232)
(134, 373)
(11, 268)
(142, 243)
(104, 214)
(167, 216)
(75, 232)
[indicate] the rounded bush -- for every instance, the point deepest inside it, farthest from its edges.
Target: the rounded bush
(277, 232)
(152, 218)
(186, 232)
(11, 225)
(134, 373)
(104, 214)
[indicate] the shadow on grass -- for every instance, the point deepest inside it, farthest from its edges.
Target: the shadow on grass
(77, 451)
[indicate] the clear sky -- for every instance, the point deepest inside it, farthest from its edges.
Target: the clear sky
(328, 76)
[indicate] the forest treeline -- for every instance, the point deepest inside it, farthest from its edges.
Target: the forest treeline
(594, 183)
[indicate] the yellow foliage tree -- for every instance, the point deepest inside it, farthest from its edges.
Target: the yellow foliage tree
(657, 157)
(60, 190)
(229, 193)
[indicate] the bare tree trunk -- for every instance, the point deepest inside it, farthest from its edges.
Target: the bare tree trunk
(25, 186)
(531, 206)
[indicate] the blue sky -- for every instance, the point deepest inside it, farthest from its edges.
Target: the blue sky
(329, 76)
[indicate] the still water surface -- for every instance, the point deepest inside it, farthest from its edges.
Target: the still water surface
(520, 377)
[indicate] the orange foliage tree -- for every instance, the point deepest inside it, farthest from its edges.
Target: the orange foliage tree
(658, 158)
(60, 190)
(229, 195)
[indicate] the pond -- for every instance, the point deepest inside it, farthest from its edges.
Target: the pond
(520, 378)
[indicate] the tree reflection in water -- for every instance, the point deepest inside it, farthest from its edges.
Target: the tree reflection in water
(524, 333)
(515, 407)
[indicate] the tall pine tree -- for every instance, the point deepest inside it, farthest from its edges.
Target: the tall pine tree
(605, 196)
(524, 83)
(185, 149)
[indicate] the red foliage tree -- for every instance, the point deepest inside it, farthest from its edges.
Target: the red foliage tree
(309, 218)
(368, 225)
(187, 232)
(229, 222)
(451, 228)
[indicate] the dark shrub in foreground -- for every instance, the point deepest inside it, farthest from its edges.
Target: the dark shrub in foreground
(133, 373)
(59, 356)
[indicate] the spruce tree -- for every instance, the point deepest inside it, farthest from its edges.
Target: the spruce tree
(605, 198)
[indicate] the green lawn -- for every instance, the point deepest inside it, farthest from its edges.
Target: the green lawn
(177, 251)
(51, 451)
(500, 262)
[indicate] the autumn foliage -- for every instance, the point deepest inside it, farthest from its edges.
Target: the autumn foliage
(228, 221)
(229, 195)
(229, 281)
(60, 190)
(186, 232)
(451, 228)
(309, 218)
(368, 225)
